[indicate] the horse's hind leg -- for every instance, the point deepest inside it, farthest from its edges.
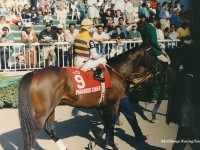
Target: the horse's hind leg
(50, 130)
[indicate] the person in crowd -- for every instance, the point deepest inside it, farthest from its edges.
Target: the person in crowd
(6, 51)
(34, 16)
(48, 18)
(153, 4)
(129, 11)
(25, 13)
(117, 15)
(150, 39)
(183, 32)
(62, 15)
(82, 8)
(86, 57)
(55, 5)
(120, 5)
(144, 10)
(141, 24)
(173, 35)
(159, 32)
(93, 12)
(106, 16)
(48, 36)
(175, 19)
(135, 11)
(119, 37)
(100, 36)
(167, 33)
(61, 50)
(110, 25)
(163, 15)
(134, 34)
(122, 25)
(158, 8)
(105, 30)
(43, 4)
(167, 16)
(3, 23)
(71, 34)
(46, 10)
(129, 25)
(28, 37)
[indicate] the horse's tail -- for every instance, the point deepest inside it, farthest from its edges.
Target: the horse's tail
(26, 115)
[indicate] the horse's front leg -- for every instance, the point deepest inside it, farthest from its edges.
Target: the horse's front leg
(50, 130)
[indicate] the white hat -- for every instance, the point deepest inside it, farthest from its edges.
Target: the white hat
(28, 25)
(60, 26)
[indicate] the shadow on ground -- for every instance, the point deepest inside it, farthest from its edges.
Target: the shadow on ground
(79, 125)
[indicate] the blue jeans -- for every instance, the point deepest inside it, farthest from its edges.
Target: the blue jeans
(127, 108)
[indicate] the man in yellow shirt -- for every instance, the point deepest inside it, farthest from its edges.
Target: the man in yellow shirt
(86, 57)
(183, 32)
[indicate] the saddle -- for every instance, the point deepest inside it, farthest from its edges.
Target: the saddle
(84, 82)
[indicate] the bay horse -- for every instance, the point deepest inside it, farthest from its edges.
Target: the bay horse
(42, 90)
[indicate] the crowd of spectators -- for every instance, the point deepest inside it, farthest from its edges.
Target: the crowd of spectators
(120, 20)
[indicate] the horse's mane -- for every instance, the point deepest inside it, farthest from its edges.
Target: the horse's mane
(121, 57)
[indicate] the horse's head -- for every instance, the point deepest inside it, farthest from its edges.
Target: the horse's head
(128, 62)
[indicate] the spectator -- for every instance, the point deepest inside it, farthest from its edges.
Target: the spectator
(107, 5)
(110, 26)
(117, 16)
(122, 26)
(61, 50)
(134, 34)
(93, 12)
(175, 19)
(163, 16)
(46, 10)
(167, 17)
(105, 30)
(48, 19)
(34, 15)
(82, 7)
(119, 37)
(71, 35)
(135, 11)
(120, 5)
(129, 25)
(183, 32)
(141, 24)
(48, 36)
(153, 4)
(144, 10)
(167, 33)
(43, 4)
(158, 7)
(129, 11)
(6, 51)
(99, 36)
(173, 35)
(54, 6)
(61, 16)
(26, 12)
(159, 32)
(3, 23)
(28, 37)
(106, 16)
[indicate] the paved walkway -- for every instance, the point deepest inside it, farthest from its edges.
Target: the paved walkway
(76, 127)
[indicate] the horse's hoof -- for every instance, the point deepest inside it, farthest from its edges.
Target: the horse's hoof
(108, 147)
(91, 145)
(154, 121)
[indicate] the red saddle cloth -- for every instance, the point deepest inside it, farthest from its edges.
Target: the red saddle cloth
(84, 83)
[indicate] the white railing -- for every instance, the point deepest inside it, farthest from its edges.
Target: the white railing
(19, 56)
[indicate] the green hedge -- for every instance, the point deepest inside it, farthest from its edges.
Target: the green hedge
(8, 94)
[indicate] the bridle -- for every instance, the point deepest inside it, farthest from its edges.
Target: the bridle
(131, 81)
